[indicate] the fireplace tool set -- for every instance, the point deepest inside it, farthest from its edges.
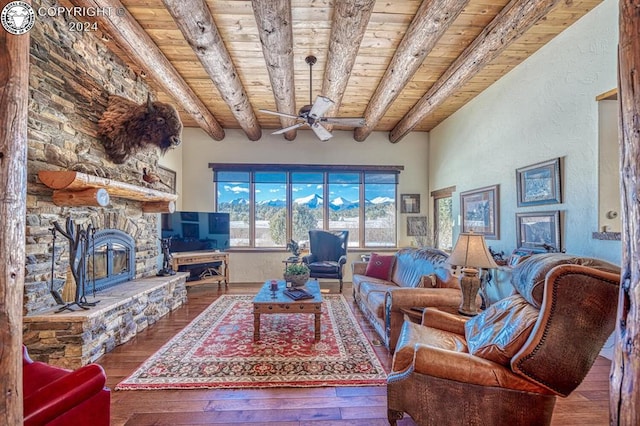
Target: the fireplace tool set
(80, 240)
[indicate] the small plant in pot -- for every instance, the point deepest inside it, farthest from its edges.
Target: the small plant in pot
(297, 274)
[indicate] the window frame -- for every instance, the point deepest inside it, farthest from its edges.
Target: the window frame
(326, 170)
(437, 196)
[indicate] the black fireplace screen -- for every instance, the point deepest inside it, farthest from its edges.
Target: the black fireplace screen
(112, 260)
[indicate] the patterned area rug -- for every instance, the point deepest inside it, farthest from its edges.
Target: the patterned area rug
(217, 351)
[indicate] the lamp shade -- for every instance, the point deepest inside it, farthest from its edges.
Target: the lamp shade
(471, 251)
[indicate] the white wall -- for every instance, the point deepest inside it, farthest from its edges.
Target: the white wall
(543, 109)
(198, 150)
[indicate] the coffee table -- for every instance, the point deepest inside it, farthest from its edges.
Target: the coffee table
(268, 302)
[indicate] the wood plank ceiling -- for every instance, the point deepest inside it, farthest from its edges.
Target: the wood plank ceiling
(404, 65)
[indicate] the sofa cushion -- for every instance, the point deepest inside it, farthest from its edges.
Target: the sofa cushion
(412, 264)
(498, 333)
(380, 266)
(528, 277)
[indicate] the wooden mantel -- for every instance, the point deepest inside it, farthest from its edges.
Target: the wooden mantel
(79, 189)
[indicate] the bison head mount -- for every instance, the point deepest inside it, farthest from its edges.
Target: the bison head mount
(126, 127)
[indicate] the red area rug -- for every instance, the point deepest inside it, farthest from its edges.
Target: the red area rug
(217, 351)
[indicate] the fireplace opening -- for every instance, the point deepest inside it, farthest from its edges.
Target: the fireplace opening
(112, 260)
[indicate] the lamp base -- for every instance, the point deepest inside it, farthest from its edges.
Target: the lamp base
(469, 285)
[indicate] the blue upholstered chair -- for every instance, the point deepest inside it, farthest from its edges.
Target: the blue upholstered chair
(328, 254)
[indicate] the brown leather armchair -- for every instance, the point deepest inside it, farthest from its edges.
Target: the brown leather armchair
(507, 365)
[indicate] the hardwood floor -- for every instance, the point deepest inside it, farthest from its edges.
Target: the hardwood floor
(366, 406)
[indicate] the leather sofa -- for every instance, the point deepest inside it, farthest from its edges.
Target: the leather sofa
(507, 365)
(54, 396)
(420, 277)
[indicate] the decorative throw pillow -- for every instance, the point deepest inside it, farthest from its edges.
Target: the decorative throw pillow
(498, 333)
(380, 266)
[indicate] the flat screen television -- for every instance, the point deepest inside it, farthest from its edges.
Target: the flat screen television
(196, 231)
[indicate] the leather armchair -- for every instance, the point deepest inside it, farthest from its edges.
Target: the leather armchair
(507, 365)
(55, 396)
(328, 254)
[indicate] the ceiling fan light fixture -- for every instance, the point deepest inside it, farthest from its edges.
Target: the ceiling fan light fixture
(313, 114)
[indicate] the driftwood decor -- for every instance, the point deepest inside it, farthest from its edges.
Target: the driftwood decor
(625, 371)
(77, 189)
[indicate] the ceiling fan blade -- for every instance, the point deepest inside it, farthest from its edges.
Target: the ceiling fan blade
(286, 129)
(320, 106)
(322, 133)
(344, 121)
(281, 114)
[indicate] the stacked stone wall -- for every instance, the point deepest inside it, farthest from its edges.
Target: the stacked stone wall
(71, 76)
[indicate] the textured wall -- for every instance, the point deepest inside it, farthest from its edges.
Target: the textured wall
(544, 108)
(71, 77)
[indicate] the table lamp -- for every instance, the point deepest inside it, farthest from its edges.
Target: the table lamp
(471, 253)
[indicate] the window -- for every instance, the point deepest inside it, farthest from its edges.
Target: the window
(443, 217)
(272, 204)
(233, 198)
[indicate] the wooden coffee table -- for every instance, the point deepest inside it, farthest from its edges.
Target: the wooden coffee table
(268, 302)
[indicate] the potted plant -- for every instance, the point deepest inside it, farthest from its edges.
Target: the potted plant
(297, 274)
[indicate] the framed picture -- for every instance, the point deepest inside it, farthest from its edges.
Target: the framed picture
(539, 183)
(480, 211)
(538, 230)
(410, 203)
(168, 178)
(416, 226)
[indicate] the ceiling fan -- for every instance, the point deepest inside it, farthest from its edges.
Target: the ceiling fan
(312, 115)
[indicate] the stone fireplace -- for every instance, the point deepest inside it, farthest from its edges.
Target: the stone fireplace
(71, 77)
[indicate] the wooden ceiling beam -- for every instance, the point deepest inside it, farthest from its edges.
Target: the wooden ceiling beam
(196, 23)
(350, 20)
(429, 24)
(141, 49)
(274, 21)
(508, 25)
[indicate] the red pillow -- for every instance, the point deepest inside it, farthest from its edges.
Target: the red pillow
(380, 266)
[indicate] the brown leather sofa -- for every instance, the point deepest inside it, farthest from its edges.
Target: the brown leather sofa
(420, 277)
(507, 365)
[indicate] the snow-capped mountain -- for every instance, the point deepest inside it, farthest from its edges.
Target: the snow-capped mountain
(341, 203)
(312, 201)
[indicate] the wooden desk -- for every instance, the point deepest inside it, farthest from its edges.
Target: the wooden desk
(219, 274)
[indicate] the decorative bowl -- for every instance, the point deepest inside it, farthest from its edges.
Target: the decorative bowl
(297, 280)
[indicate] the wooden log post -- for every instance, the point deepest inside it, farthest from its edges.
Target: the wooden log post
(625, 370)
(14, 96)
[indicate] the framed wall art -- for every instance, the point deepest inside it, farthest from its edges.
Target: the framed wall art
(480, 211)
(417, 226)
(168, 178)
(410, 203)
(538, 230)
(539, 184)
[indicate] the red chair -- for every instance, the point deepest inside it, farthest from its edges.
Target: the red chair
(56, 396)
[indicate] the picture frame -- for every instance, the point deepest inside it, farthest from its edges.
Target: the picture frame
(410, 203)
(168, 178)
(480, 211)
(539, 183)
(417, 226)
(539, 231)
